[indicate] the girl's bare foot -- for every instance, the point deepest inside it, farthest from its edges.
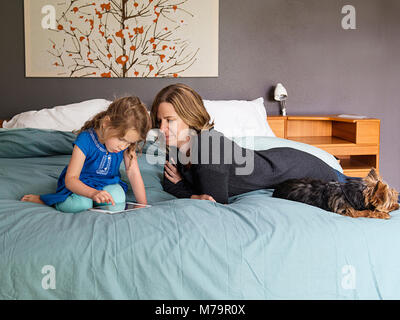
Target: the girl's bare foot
(32, 198)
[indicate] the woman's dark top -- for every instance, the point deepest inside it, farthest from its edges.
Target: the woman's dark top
(247, 171)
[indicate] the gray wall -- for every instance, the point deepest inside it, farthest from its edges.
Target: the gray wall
(297, 42)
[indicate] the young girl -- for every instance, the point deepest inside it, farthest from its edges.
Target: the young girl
(92, 176)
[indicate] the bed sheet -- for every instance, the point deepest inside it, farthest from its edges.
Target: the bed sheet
(256, 247)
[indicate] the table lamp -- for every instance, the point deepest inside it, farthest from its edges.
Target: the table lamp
(281, 96)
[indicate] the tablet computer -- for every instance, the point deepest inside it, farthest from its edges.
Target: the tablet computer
(120, 207)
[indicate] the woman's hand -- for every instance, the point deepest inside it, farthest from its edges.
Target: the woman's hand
(202, 197)
(102, 196)
(172, 173)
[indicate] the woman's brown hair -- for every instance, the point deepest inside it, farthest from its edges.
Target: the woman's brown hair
(187, 104)
(122, 115)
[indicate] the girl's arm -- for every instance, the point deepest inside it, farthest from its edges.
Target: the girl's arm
(75, 185)
(135, 178)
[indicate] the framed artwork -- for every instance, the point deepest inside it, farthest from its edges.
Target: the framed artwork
(121, 38)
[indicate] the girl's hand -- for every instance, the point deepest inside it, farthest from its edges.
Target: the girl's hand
(202, 197)
(172, 173)
(102, 196)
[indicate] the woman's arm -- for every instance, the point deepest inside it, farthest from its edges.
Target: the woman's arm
(209, 176)
(174, 184)
(135, 177)
(212, 180)
(75, 185)
(180, 189)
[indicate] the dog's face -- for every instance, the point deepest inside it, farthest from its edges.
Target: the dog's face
(378, 193)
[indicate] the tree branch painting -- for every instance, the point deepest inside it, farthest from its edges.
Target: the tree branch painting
(122, 38)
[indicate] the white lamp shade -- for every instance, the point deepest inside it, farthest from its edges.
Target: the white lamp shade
(280, 92)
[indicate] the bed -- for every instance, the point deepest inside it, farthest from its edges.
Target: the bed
(256, 247)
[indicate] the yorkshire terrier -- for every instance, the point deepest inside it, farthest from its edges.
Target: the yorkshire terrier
(368, 197)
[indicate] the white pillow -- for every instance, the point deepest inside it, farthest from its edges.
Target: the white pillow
(239, 118)
(63, 118)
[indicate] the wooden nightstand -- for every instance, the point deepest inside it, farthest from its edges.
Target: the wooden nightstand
(355, 142)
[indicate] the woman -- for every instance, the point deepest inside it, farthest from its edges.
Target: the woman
(193, 146)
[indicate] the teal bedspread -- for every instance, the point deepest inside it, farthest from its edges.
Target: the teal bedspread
(256, 247)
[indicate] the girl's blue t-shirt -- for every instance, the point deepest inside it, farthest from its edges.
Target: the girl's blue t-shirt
(101, 168)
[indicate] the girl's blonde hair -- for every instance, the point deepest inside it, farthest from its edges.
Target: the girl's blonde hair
(187, 104)
(122, 115)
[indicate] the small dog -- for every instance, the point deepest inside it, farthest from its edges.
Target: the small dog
(368, 197)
